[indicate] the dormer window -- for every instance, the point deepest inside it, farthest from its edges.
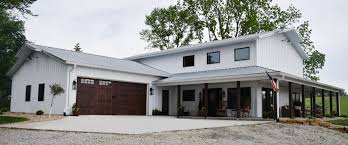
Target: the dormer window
(188, 61)
(213, 57)
(242, 54)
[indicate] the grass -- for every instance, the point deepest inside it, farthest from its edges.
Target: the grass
(343, 122)
(11, 119)
(343, 104)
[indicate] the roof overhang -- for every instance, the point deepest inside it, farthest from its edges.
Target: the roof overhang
(250, 77)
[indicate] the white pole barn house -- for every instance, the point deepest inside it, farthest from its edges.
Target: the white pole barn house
(224, 78)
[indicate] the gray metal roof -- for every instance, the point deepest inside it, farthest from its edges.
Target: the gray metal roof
(211, 74)
(97, 61)
(290, 33)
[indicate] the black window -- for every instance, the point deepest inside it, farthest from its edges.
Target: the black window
(27, 92)
(242, 54)
(188, 60)
(188, 95)
(213, 57)
(41, 92)
(245, 98)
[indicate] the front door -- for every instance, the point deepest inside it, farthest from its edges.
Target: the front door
(165, 102)
(214, 96)
(267, 103)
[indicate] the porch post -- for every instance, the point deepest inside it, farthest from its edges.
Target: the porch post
(238, 99)
(303, 108)
(314, 105)
(323, 101)
(178, 104)
(311, 102)
(338, 104)
(331, 114)
(291, 103)
(206, 100)
(275, 99)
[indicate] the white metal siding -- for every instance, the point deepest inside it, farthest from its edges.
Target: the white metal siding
(40, 69)
(174, 63)
(275, 52)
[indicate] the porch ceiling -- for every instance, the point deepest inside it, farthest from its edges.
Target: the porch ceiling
(215, 76)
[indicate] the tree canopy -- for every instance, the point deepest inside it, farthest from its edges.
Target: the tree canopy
(77, 47)
(197, 21)
(11, 37)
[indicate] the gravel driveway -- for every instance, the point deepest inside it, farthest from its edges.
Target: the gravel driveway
(272, 133)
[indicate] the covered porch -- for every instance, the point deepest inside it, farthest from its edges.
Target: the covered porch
(242, 93)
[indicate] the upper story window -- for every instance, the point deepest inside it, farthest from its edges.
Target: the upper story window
(242, 54)
(27, 92)
(188, 61)
(213, 57)
(41, 92)
(188, 95)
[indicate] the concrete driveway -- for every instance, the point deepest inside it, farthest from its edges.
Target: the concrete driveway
(128, 124)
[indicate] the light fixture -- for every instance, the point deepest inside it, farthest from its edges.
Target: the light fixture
(74, 85)
(151, 91)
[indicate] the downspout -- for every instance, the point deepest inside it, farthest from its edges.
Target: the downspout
(69, 84)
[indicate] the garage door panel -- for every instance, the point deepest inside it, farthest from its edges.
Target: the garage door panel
(117, 98)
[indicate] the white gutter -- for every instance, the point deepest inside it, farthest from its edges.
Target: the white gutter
(69, 85)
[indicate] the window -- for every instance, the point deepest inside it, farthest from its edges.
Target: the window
(188, 61)
(104, 83)
(27, 92)
(213, 57)
(188, 95)
(87, 81)
(245, 98)
(242, 54)
(41, 92)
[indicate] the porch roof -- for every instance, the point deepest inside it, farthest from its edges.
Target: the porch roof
(250, 73)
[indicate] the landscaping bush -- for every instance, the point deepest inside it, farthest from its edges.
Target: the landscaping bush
(39, 112)
(11, 119)
(156, 112)
(0, 112)
(76, 109)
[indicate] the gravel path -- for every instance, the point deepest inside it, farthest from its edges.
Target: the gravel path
(272, 133)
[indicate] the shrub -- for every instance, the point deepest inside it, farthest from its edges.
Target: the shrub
(39, 112)
(156, 112)
(76, 109)
(0, 112)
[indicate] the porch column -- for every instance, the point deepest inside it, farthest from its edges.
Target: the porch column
(314, 111)
(338, 104)
(291, 103)
(238, 99)
(323, 101)
(275, 99)
(178, 103)
(206, 100)
(303, 108)
(331, 103)
(311, 103)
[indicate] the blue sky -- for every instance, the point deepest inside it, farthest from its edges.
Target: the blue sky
(111, 28)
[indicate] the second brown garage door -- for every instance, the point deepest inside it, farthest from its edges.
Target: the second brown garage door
(101, 97)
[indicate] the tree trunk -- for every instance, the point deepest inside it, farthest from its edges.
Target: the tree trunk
(49, 116)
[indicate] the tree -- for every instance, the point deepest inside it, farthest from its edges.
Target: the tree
(11, 39)
(77, 47)
(196, 21)
(56, 90)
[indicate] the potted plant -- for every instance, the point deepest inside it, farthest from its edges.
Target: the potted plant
(75, 110)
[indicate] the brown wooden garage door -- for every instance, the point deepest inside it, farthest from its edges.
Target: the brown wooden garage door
(102, 97)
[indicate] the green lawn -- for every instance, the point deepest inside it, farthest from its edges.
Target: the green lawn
(344, 104)
(10, 119)
(340, 122)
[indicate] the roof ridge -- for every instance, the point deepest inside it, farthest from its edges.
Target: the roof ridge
(81, 52)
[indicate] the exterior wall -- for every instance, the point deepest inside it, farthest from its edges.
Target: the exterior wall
(276, 53)
(80, 71)
(174, 63)
(40, 69)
